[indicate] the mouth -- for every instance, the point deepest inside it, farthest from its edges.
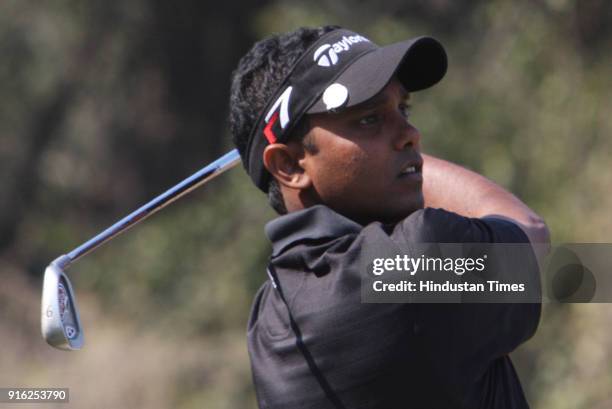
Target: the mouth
(413, 168)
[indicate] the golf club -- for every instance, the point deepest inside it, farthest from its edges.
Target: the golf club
(60, 322)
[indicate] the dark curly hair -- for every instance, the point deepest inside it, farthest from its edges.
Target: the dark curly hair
(257, 77)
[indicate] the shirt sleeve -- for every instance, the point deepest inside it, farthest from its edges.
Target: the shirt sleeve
(440, 226)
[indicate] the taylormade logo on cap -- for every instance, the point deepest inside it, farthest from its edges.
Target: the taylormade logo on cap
(327, 54)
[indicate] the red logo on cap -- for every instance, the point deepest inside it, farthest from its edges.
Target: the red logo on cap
(268, 129)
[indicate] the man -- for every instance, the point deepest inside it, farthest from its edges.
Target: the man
(320, 117)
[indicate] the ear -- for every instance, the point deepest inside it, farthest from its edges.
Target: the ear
(282, 161)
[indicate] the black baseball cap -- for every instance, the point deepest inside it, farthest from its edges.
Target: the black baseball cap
(341, 69)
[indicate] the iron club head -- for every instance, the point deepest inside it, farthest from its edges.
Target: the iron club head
(60, 323)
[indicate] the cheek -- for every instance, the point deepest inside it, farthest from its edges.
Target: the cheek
(340, 171)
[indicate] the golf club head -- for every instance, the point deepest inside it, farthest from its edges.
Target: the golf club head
(60, 323)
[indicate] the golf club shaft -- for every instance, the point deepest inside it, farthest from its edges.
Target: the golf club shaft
(226, 162)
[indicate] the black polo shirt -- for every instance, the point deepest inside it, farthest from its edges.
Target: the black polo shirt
(330, 350)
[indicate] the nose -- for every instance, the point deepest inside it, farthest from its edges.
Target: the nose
(407, 136)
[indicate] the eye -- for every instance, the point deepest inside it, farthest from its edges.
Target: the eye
(405, 109)
(371, 119)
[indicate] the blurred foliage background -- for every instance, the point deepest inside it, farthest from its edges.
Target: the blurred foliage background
(106, 104)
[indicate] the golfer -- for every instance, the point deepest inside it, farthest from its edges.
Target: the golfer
(320, 117)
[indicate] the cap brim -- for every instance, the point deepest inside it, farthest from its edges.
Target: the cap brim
(418, 64)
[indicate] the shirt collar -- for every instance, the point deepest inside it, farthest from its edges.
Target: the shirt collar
(312, 223)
